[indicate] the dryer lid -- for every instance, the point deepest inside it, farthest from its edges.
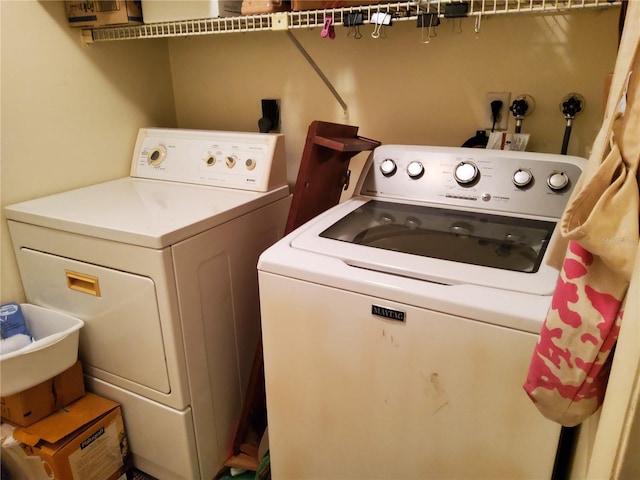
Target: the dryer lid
(148, 213)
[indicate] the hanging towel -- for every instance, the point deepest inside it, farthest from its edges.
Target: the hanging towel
(597, 241)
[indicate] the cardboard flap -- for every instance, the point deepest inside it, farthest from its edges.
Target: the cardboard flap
(64, 422)
(26, 437)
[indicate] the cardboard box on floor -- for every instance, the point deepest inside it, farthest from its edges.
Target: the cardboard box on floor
(35, 403)
(93, 13)
(85, 440)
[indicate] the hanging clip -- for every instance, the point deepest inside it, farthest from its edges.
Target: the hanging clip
(328, 30)
(380, 19)
(353, 20)
(456, 10)
(476, 28)
(427, 21)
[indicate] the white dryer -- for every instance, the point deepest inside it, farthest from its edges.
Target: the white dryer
(161, 266)
(398, 326)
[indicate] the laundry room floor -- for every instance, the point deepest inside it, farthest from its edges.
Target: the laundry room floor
(138, 475)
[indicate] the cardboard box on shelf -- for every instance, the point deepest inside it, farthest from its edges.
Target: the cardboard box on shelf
(322, 4)
(155, 11)
(99, 13)
(27, 407)
(86, 439)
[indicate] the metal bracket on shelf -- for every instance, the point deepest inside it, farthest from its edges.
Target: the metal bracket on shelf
(86, 37)
(320, 73)
(280, 21)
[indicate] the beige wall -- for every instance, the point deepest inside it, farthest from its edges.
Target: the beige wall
(69, 114)
(397, 89)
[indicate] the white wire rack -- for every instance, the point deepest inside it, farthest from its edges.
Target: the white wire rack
(400, 11)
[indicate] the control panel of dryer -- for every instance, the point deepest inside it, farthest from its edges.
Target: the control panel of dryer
(502, 181)
(247, 161)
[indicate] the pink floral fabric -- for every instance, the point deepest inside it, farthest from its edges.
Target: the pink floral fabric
(570, 365)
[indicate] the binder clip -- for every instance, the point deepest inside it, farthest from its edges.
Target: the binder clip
(454, 10)
(427, 21)
(353, 20)
(380, 19)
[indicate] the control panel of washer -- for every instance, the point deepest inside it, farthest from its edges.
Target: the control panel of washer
(247, 161)
(504, 181)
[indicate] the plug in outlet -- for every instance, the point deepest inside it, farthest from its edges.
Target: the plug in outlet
(503, 118)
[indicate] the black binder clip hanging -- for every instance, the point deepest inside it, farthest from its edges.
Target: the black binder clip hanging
(353, 20)
(456, 9)
(427, 22)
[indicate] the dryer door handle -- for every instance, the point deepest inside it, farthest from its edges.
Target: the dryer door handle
(81, 282)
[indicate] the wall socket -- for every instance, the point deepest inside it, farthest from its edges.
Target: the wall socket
(503, 116)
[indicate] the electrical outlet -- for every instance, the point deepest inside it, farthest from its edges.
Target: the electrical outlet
(503, 115)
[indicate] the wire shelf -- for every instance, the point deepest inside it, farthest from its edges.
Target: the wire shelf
(399, 11)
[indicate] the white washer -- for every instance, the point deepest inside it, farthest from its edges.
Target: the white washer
(161, 266)
(398, 326)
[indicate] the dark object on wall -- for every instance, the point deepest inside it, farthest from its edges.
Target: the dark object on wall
(480, 140)
(572, 104)
(270, 119)
(520, 108)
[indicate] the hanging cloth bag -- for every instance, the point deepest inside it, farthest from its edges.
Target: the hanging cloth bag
(570, 364)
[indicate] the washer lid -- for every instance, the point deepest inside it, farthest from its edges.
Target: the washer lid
(446, 246)
(148, 213)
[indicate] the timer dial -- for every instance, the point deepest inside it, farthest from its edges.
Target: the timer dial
(465, 172)
(157, 155)
(250, 163)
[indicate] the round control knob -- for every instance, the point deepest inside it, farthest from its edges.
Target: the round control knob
(156, 156)
(210, 160)
(250, 163)
(522, 177)
(230, 161)
(415, 169)
(465, 172)
(388, 167)
(557, 181)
